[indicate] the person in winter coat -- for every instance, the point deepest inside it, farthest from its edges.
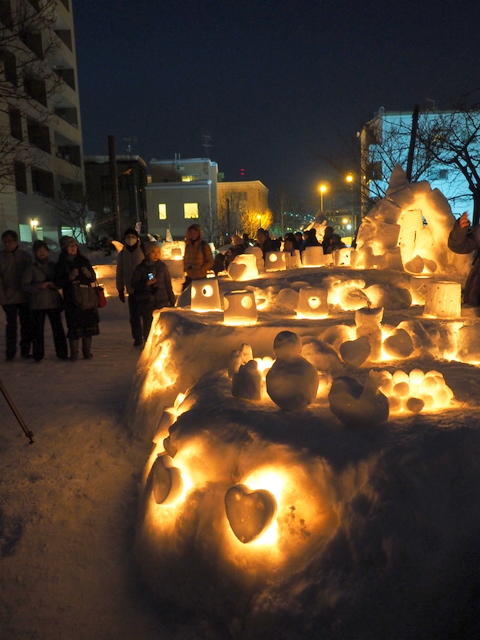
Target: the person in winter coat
(72, 272)
(310, 237)
(197, 259)
(130, 256)
(152, 287)
(463, 239)
(264, 242)
(13, 262)
(44, 300)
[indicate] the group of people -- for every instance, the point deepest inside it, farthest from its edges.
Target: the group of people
(34, 287)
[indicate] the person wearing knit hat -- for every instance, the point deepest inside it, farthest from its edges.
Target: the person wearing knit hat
(129, 257)
(44, 301)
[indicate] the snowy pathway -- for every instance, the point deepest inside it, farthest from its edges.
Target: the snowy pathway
(67, 503)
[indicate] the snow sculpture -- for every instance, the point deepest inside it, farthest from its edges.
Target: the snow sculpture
(292, 381)
(249, 512)
(348, 294)
(368, 323)
(469, 344)
(388, 296)
(312, 302)
(293, 261)
(341, 257)
(205, 295)
(357, 405)
(399, 344)
(275, 261)
(257, 252)
(239, 357)
(287, 299)
(313, 257)
(246, 383)
(321, 355)
(443, 299)
(239, 308)
(415, 392)
(409, 229)
(356, 352)
(243, 267)
(165, 479)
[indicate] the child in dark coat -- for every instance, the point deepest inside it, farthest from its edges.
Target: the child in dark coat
(152, 287)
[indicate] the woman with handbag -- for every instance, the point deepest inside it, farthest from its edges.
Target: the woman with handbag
(75, 276)
(44, 300)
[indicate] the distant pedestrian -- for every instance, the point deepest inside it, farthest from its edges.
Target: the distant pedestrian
(197, 259)
(73, 272)
(264, 242)
(311, 239)
(44, 300)
(13, 262)
(152, 287)
(299, 239)
(130, 256)
(290, 244)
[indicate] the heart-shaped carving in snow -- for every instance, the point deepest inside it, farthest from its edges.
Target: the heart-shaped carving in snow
(165, 480)
(249, 512)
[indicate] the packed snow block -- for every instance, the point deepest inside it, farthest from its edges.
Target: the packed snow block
(357, 405)
(368, 324)
(422, 340)
(348, 295)
(443, 299)
(238, 358)
(246, 383)
(293, 261)
(243, 267)
(469, 343)
(275, 261)
(322, 356)
(399, 345)
(312, 302)
(287, 299)
(388, 296)
(369, 317)
(356, 352)
(249, 512)
(292, 382)
(257, 252)
(239, 308)
(205, 295)
(418, 289)
(313, 257)
(106, 276)
(337, 335)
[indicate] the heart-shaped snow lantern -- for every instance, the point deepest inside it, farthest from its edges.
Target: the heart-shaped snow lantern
(249, 512)
(166, 480)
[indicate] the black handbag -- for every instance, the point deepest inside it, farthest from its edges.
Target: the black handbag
(85, 296)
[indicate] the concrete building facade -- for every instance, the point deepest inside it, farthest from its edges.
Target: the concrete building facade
(40, 119)
(132, 181)
(182, 192)
(239, 199)
(385, 140)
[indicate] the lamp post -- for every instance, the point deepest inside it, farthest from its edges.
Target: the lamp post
(322, 188)
(350, 179)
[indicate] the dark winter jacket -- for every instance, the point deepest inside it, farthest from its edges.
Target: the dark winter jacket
(155, 296)
(12, 268)
(38, 298)
(462, 240)
(127, 260)
(80, 322)
(266, 247)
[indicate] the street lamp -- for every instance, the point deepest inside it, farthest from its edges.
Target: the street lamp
(34, 223)
(322, 188)
(350, 179)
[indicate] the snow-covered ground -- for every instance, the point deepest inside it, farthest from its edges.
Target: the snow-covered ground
(68, 502)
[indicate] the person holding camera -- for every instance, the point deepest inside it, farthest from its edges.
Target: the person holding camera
(152, 287)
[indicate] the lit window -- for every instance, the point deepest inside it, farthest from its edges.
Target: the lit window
(162, 211)
(188, 178)
(191, 209)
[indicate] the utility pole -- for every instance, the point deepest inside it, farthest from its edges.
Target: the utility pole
(413, 140)
(114, 178)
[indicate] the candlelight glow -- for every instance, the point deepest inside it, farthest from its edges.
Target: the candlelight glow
(416, 392)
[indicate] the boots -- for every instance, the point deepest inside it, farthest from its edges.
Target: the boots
(86, 347)
(74, 348)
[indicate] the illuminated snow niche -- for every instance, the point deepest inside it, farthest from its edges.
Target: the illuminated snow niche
(239, 308)
(243, 267)
(312, 303)
(416, 392)
(205, 295)
(275, 261)
(443, 299)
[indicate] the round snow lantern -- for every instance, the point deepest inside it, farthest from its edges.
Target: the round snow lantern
(243, 267)
(293, 261)
(312, 302)
(239, 308)
(205, 295)
(443, 299)
(341, 257)
(313, 257)
(275, 261)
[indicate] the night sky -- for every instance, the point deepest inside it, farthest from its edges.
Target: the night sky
(281, 86)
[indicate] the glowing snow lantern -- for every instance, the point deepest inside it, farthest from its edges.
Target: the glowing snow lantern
(341, 257)
(239, 308)
(275, 261)
(312, 302)
(313, 257)
(206, 295)
(249, 513)
(243, 267)
(293, 261)
(443, 299)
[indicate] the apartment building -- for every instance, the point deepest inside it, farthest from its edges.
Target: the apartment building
(182, 191)
(43, 172)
